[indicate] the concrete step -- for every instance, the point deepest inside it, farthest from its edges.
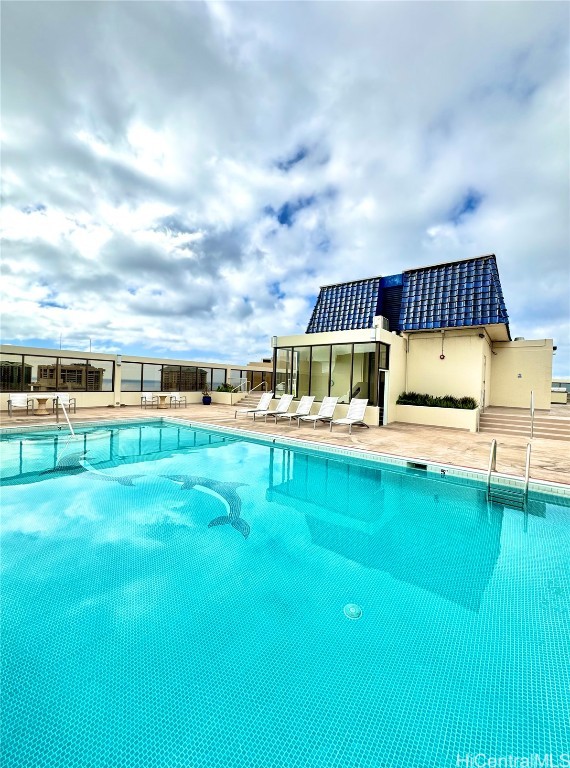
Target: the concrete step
(545, 421)
(505, 428)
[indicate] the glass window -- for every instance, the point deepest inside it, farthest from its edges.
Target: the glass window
(131, 377)
(43, 373)
(320, 371)
(283, 372)
(235, 377)
(340, 372)
(268, 378)
(363, 372)
(300, 373)
(170, 378)
(188, 379)
(152, 377)
(204, 378)
(72, 374)
(100, 375)
(218, 377)
(11, 368)
(384, 357)
(257, 379)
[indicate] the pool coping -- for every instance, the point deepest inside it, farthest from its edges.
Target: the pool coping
(409, 462)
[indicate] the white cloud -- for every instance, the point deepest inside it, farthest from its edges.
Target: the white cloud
(148, 149)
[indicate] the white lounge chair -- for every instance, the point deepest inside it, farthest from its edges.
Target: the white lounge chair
(68, 402)
(176, 399)
(282, 407)
(20, 401)
(326, 412)
(355, 414)
(262, 406)
(149, 400)
(303, 409)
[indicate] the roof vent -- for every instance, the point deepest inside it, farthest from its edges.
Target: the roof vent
(519, 338)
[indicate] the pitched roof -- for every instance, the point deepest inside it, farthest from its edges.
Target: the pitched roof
(346, 306)
(457, 294)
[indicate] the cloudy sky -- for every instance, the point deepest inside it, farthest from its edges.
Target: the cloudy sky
(179, 178)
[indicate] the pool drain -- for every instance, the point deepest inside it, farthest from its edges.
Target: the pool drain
(352, 611)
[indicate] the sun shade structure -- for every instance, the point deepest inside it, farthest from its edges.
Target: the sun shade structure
(454, 295)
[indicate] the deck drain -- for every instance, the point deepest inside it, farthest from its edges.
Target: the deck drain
(352, 611)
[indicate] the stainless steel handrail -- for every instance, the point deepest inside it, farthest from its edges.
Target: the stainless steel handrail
(532, 413)
(492, 463)
(59, 402)
(239, 386)
(527, 471)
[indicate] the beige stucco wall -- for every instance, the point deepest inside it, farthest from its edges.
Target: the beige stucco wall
(519, 367)
(459, 374)
(438, 417)
(558, 397)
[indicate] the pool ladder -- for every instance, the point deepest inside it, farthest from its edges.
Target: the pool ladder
(516, 498)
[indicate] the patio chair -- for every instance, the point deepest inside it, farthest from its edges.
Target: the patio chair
(177, 400)
(65, 398)
(303, 409)
(264, 401)
(282, 407)
(20, 401)
(149, 400)
(326, 412)
(355, 414)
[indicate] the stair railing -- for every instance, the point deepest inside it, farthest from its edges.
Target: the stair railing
(531, 413)
(240, 388)
(492, 463)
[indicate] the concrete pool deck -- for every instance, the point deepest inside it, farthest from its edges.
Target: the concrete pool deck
(550, 460)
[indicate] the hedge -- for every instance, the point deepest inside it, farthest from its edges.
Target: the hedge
(431, 401)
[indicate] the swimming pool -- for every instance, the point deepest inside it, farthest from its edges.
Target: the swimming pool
(174, 597)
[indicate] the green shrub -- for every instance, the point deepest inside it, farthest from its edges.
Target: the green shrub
(224, 388)
(432, 401)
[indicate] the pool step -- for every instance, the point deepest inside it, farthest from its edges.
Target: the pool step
(509, 497)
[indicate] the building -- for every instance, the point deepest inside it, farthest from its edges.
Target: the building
(439, 330)
(69, 377)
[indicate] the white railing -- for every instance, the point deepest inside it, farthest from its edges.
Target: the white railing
(492, 463)
(527, 471)
(60, 403)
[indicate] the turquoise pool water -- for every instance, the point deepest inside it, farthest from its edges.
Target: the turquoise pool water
(137, 634)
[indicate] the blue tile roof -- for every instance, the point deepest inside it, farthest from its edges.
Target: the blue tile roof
(459, 294)
(345, 307)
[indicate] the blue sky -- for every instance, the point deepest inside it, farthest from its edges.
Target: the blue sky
(180, 178)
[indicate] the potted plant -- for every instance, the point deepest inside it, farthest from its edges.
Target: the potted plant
(206, 397)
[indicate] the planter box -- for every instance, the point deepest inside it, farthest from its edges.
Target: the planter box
(457, 418)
